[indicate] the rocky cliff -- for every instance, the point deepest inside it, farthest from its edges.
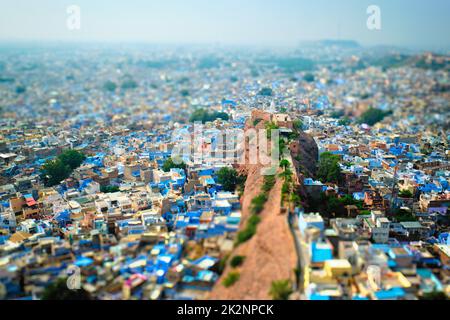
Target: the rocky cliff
(270, 254)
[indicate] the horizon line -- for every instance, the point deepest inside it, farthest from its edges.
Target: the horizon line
(299, 43)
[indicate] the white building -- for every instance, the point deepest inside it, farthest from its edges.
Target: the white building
(378, 226)
(8, 220)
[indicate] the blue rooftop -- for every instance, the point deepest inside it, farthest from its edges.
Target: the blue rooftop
(393, 293)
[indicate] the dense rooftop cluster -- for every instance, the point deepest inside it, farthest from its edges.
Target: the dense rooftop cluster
(89, 190)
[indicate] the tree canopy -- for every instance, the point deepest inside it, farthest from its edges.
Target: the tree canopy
(285, 164)
(205, 116)
(298, 124)
(129, 84)
(402, 215)
(109, 189)
(373, 115)
(309, 77)
(405, 194)
(434, 295)
(72, 158)
(329, 169)
(228, 178)
(281, 290)
(231, 279)
(269, 126)
(170, 164)
(110, 86)
(56, 170)
(59, 291)
(266, 92)
(237, 261)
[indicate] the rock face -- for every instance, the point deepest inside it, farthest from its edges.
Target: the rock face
(270, 254)
(305, 153)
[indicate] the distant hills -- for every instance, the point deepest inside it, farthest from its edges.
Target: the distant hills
(343, 44)
(351, 44)
(427, 61)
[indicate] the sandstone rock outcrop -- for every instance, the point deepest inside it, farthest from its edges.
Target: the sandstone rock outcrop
(270, 254)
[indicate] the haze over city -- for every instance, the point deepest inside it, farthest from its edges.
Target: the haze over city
(414, 23)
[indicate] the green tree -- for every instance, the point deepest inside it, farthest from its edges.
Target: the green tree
(286, 188)
(20, 89)
(72, 158)
(296, 199)
(219, 267)
(258, 203)
(282, 146)
(266, 92)
(59, 291)
(269, 127)
(402, 215)
(205, 116)
(237, 261)
(256, 121)
(347, 200)
(129, 84)
(242, 179)
(281, 290)
(329, 169)
(334, 205)
(170, 164)
(405, 194)
(231, 279)
(344, 121)
(434, 295)
(337, 114)
(298, 124)
(285, 164)
(269, 183)
(249, 231)
(54, 171)
(309, 77)
(286, 175)
(373, 116)
(110, 86)
(109, 189)
(228, 178)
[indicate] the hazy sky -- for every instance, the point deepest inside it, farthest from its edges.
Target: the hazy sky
(276, 22)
